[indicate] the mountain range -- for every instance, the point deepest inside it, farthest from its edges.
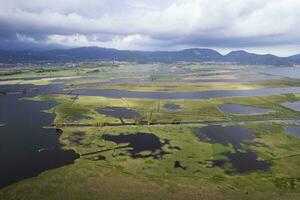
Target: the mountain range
(108, 54)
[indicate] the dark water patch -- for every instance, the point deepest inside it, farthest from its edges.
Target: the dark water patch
(30, 165)
(243, 110)
(242, 162)
(293, 130)
(177, 164)
(172, 107)
(142, 145)
(185, 95)
(118, 112)
(33, 90)
(115, 81)
(234, 135)
(26, 148)
(292, 105)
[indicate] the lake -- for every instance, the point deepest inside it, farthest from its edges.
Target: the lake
(26, 148)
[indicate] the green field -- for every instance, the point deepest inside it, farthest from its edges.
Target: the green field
(158, 86)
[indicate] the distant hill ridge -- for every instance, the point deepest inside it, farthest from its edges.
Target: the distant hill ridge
(187, 55)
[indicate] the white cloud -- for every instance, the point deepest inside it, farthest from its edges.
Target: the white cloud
(130, 42)
(146, 24)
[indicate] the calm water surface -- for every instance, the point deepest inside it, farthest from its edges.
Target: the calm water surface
(26, 148)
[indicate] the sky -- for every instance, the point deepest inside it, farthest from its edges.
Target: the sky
(260, 26)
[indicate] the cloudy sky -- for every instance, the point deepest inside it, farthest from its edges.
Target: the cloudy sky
(263, 26)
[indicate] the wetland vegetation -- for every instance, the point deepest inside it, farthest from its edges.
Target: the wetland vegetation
(149, 131)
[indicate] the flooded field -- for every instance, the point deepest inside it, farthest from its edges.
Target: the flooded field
(150, 100)
(163, 122)
(229, 135)
(172, 107)
(242, 162)
(139, 143)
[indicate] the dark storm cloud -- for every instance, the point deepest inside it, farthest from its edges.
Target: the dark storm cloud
(150, 24)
